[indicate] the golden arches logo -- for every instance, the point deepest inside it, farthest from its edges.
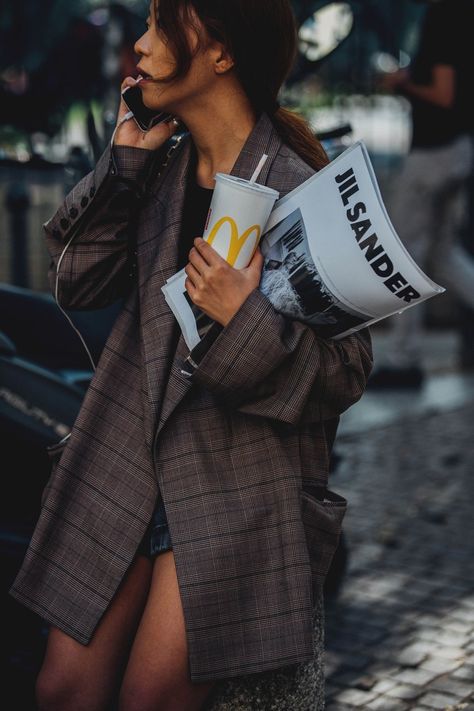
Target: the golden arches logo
(236, 241)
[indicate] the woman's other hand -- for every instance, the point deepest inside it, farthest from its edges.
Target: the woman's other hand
(217, 288)
(128, 134)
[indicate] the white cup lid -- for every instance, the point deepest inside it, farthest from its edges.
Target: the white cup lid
(247, 185)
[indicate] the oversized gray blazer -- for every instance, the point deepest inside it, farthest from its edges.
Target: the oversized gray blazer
(235, 449)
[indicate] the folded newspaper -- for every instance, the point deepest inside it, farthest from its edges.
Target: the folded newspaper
(332, 256)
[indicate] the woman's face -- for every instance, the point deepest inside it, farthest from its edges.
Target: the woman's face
(157, 60)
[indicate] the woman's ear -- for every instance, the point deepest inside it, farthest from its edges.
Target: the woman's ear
(223, 61)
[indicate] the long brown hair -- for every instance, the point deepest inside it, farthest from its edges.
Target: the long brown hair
(261, 36)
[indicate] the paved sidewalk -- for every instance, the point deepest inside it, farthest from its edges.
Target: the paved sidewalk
(445, 386)
(401, 634)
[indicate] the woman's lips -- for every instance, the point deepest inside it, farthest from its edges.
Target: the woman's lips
(143, 79)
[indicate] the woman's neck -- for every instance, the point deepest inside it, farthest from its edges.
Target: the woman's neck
(219, 135)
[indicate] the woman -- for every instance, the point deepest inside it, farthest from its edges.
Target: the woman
(222, 458)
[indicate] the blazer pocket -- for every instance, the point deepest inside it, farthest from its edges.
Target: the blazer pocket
(322, 515)
(54, 452)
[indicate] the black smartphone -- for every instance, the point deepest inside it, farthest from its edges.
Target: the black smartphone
(145, 118)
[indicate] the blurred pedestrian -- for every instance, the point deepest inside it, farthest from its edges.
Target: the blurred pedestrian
(429, 206)
(466, 327)
(179, 539)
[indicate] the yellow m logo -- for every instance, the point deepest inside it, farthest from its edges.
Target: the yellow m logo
(236, 242)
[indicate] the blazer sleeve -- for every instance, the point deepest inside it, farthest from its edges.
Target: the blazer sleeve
(267, 365)
(95, 269)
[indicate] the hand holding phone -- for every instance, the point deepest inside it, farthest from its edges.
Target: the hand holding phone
(144, 117)
(147, 129)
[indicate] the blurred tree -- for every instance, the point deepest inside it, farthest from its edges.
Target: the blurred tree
(49, 58)
(52, 55)
(29, 29)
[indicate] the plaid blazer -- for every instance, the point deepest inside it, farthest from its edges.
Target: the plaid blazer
(239, 449)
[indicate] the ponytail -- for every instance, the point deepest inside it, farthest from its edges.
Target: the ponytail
(295, 131)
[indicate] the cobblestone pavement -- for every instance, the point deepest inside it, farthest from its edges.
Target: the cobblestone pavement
(401, 633)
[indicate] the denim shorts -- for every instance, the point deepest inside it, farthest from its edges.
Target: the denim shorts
(157, 538)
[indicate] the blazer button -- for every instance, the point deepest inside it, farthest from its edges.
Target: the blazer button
(92, 191)
(84, 201)
(73, 212)
(64, 223)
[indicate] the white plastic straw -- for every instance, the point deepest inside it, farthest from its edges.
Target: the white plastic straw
(258, 168)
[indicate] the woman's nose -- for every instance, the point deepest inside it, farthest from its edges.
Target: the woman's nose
(139, 46)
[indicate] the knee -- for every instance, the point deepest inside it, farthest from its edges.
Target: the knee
(142, 698)
(52, 692)
(59, 691)
(165, 697)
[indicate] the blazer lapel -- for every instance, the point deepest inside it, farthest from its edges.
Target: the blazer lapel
(157, 261)
(263, 139)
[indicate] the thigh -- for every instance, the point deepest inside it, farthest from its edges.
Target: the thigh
(157, 673)
(75, 676)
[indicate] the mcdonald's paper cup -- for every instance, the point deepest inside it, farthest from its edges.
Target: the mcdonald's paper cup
(237, 216)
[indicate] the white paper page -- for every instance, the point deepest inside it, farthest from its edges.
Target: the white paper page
(336, 253)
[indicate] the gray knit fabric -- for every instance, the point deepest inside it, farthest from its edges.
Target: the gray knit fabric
(294, 688)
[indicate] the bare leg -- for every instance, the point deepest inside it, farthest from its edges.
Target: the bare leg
(75, 677)
(157, 675)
